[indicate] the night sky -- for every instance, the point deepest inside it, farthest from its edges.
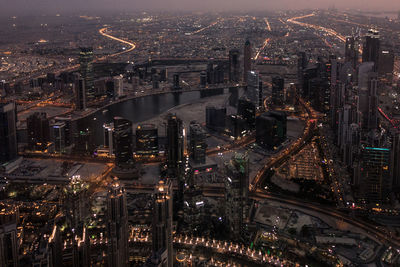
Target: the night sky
(38, 7)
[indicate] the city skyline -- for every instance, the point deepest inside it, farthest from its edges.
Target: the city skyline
(200, 139)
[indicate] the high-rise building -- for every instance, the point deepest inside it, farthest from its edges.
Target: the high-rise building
(68, 129)
(118, 85)
(371, 48)
(176, 82)
(123, 143)
(210, 72)
(246, 60)
(368, 96)
(80, 92)
(155, 80)
(351, 51)
(395, 160)
(174, 145)
(86, 71)
(198, 143)
(38, 131)
(290, 95)
(236, 194)
(75, 201)
(376, 182)
(215, 118)
(8, 238)
(253, 87)
(271, 129)
(203, 79)
(117, 226)
(108, 137)
(277, 97)
(234, 65)
(281, 119)
(236, 126)
(147, 140)
(59, 137)
(162, 221)
(247, 110)
(54, 248)
(266, 131)
(386, 63)
(8, 132)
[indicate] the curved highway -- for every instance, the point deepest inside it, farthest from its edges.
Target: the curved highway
(132, 45)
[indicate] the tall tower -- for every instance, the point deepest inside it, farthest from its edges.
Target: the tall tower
(376, 183)
(80, 92)
(351, 51)
(236, 193)
(38, 130)
(123, 143)
(86, 70)
(371, 48)
(108, 137)
(277, 91)
(8, 238)
(75, 201)
(117, 226)
(246, 59)
(8, 132)
(253, 87)
(234, 65)
(175, 145)
(197, 143)
(162, 221)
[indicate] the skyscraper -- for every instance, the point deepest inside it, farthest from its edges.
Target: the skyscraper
(197, 143)
(176, 82)
(386, 63)
(109, 137)
(118, 85)
(203, 79)
(376, 183)
(271, 129)
(86, 71)
(266, 131)
(174, 145)
(253, 90)
(117, 226)
(55, 248)
(395, 160)
(123, 143)
(146, 140)
(38, 130)
(247, 110)
(234, 65)
(368, 96)
(351, 51)
(75, 201)
(277, 91)
(371, 47)
(236, 194)
(215, 118)
(8, 238)
(80, 92)
(59, 136)
(8, 132)
(162, 221)
(246, 60)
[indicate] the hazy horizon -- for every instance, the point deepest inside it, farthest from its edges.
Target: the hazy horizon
(39, 7)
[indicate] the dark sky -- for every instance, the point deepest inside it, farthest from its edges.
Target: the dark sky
(11, 7)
